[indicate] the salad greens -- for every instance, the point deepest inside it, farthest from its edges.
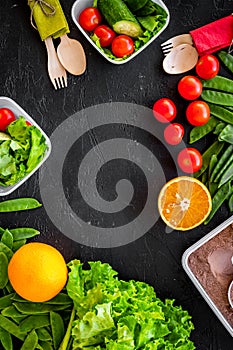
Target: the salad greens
(119, 315)
(21, 153)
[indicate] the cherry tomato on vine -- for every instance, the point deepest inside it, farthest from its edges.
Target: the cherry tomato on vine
(207, 67)
(90, 18)
(189, 160)
(6, 117)
(164, 110)
(105, 35)
(173, 133)
(190, 87)
(198, 113)
(122, 45)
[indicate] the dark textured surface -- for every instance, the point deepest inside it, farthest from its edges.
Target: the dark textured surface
(156, 257)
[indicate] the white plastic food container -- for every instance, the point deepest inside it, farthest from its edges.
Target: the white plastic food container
(6, 102)
(186, 265)
(80, 5)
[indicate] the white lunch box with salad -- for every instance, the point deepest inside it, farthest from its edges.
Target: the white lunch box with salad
(150, 16)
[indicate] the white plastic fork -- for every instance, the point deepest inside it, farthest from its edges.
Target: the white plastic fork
(57, 72)
(168, 45)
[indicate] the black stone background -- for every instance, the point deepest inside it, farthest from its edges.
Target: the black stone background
(156, 257)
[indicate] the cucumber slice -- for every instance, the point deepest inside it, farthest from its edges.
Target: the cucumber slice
(120, 18)
(135, 5)
(4, 137)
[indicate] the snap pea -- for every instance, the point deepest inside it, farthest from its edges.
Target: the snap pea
(5, 339)
(215, 148)
(6, 301)
(34, 322)
(219, 83)
(9, 288)
(223, 168)
(227, 59)
(29, 308)
(11, 311)
(220, 196)
(223, 159)
(227, 134)
(221, 113)
(18, 204)
(60, 299)
(7, 239)
(219, 128)
(4, 249)
(204, 177)
(18, 319)
(30, 342)
(3, 268)
(213, 162)
(227, 175)
(200, 131)
(217, 97)
(46, 345)
(43, 334)
(23, 233)
(57, 327)
(18, 244)
(230, 202)
(11, 327)
(212, 187)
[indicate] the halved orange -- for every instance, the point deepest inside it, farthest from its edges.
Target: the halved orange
(184, 203)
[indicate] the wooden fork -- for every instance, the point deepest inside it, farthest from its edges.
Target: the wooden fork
(57, 72)
(168, 45)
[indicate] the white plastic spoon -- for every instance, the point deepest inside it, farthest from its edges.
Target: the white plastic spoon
(71, 55)
(181, 59)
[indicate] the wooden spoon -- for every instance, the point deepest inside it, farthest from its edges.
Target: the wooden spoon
(71, 55)
(181, 59)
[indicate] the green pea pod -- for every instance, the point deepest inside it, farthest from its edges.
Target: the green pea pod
(7, 239)
(11, 327)
(34, 322)
(6, 301)
(5, 339)
(222, 161)
(230, 108)
(230, 201)
(18, 319)
(227, 59)
(213, 187)
(2, 230)
(29, 308)
(11, 311)
(59, 299)
(221, 113)
(204, 177)
(227, 175)
(224, 167)
(200, 131)
(3, 269)
(7, 251)
(23, 233)
(227, 134)
(43, 334)
(219, 127)
(217, 97)
(219, 83)
(215, 148)
(30, 342)
(9, 288)
(58, 330)
(66, 340)
(220, 196)
(18, 244)
(213, 162)
(46, 345)
(18, 204)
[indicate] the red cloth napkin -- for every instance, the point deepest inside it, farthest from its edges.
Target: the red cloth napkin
(213, 36)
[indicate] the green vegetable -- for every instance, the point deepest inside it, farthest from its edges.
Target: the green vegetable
(135, 5)
(58, 330)
(3, 269)
(11, 327)
(212, 165)
(217, 97)
(219, 127)
(22, 153)
(221, 113)
(23, 233)
(219, 83)
(7, 238)
(18, 204)
(226, 134)
(34, 321)
(151, 8)
(220, 196)
(230, 202)
(30, 342)
(224, 158)
(227, 175)
(6, 339)
(200, 131)
(120, 18)
(115, 314)
(149, 22)
(227, 59)
(6, 301)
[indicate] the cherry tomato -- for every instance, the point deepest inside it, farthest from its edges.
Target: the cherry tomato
(28, 123)
(173, 133)
(105, 35)
(90, 18)
(198, 113)
(6, 117)
(207, 67)
(190, 87)
(122, 45)
(164, 110)
(189, 160)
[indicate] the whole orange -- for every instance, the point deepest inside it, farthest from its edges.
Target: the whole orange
(37, 272)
